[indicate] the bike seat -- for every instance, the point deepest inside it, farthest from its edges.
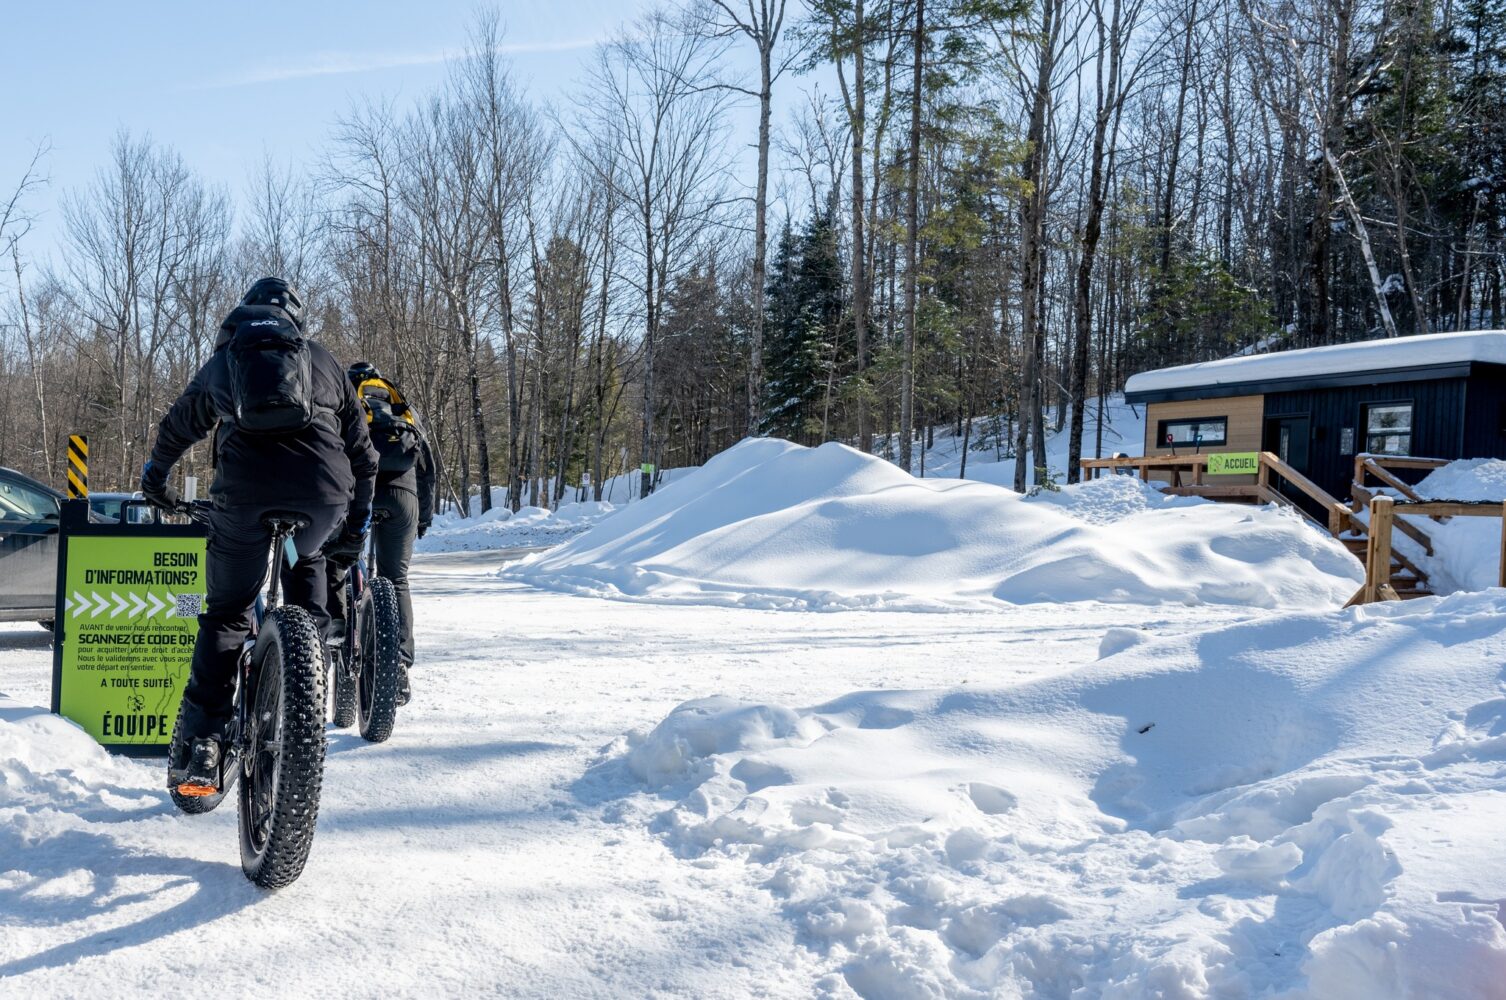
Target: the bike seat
(290, 520)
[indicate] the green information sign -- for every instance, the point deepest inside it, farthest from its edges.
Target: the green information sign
(1234, 463)
(128, 602)
(647, 468)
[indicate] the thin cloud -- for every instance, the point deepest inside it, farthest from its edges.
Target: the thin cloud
(343, 63)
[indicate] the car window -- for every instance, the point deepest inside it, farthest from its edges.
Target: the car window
(107, 508)
(19, 502)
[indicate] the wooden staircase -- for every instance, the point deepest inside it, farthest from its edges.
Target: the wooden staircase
(1406, 579)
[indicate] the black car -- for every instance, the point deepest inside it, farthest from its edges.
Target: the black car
(29, 519)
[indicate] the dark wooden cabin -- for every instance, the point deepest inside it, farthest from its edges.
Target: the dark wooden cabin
(1438, 396)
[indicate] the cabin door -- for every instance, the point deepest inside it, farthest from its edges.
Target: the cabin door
(1288, 437)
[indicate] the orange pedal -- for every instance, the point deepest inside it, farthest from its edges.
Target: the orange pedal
(197, 791)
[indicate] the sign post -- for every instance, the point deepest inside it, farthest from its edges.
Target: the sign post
(1234, 463)
(128, 600)
(78, 466)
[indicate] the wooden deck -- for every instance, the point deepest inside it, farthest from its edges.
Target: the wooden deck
(1389, 574)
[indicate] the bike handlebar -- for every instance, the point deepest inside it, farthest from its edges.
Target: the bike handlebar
(198, 510)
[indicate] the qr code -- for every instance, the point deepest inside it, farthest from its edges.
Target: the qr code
(188, 606)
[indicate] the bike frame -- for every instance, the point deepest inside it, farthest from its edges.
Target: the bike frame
(355, 582)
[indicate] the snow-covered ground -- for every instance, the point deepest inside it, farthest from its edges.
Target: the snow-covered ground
(1308, 803)
(1109, 799)
(477, 852)
(1138, 752)
(500, 528)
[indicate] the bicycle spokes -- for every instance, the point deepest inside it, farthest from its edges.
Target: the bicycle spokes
(265, 747)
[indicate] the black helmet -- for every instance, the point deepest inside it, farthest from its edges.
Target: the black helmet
(275, 292)
(361, 371)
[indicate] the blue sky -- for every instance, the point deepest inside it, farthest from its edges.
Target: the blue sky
(224, 82)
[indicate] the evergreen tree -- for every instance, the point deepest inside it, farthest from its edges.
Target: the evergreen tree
(803, 311)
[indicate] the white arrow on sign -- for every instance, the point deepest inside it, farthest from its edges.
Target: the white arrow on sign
(137, 605)
(101, 604)
(120, 604)
(156, 603)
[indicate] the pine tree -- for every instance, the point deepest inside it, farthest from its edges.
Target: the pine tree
(803, 311)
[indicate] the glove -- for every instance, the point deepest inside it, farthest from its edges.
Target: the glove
(155, 487)
(423, 529)
(345, 548)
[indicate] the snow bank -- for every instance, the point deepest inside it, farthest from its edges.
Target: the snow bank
(67, 810)
(500, 528)
(774, 525)
(1306, 803)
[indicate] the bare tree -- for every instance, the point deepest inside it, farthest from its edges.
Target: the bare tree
(760, 21)
(1112, 85)
(650, 104)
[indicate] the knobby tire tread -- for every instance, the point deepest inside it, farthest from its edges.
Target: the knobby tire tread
(387, 647)
(301, 768)
(345, 694)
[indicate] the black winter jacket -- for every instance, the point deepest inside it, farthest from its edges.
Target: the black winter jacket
(330, 463)
(419, 480)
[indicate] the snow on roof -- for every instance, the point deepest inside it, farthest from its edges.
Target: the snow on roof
(1370, 355)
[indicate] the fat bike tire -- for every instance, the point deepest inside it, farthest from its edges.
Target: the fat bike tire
(344, 715)
(380, 660)
(284, 764)
(195, 805)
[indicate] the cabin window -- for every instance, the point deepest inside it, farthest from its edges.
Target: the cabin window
(1194, 432)
(1388, 429)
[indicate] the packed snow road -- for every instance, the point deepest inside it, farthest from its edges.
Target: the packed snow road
(476, 853)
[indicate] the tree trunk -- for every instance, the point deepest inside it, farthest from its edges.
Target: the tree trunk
(912, 216)
(859, 278)
(1108, 102)
(1032, 222)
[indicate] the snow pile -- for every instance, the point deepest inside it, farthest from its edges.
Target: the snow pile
(72, 820)
(1466, 550)
(1308, 803)
(500, 528)
(774, 525)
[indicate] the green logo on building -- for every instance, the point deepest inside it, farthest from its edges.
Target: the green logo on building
(1234, 463)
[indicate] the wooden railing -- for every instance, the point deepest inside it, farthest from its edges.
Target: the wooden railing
(1378, 551)
(1172, 468)
(1379, 468)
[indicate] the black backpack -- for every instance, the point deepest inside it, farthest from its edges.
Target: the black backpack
(389, 422)
(271, 377)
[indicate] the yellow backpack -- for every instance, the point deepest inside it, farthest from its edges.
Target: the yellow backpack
(391, 424)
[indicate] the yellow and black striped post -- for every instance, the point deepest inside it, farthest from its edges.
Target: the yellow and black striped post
(78, 466)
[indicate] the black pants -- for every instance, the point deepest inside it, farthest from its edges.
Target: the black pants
(394, 536)
(235, 569)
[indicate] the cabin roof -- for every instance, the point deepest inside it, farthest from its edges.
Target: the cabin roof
(1427, 355)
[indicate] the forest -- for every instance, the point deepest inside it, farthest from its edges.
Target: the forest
(976, 214)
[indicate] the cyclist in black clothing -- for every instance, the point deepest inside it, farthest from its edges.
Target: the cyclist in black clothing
(404, 494)
(324, 469)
